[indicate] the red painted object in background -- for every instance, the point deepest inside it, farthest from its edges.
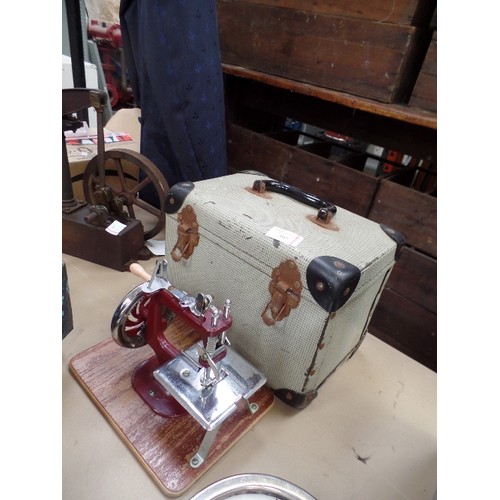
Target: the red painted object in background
(108, 38)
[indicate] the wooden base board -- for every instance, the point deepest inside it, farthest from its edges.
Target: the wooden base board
(164, 446)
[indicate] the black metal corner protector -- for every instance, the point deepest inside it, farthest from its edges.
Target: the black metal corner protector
(295, 399)
(331, 281)
(177, 195)
(397, 237)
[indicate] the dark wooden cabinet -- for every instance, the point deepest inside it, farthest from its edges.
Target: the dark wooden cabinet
(270, 113)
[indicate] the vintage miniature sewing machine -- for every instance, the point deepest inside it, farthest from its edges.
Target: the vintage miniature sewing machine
(208, 379)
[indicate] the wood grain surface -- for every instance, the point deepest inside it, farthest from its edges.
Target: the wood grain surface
(163, 446)
(370, 59)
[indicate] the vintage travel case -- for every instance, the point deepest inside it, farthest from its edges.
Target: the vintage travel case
(303, 275)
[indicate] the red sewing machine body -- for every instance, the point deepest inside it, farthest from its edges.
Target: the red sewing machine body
(143, 317)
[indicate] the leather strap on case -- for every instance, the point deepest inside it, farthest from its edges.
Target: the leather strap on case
(187, 234)
(285, 289)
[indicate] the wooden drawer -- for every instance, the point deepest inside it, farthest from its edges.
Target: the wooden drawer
(415, 277)
(406, 316)
(358, 56)
(410, 12)
(406, 326)
(424, 95)
(411, 212)
(244, 95)
(330, 180)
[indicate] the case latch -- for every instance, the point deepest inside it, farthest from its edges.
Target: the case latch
(285, 289)
(187, 234)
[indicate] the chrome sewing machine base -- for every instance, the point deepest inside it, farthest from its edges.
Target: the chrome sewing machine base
(208, 380)
(184, 379)
(210, 406)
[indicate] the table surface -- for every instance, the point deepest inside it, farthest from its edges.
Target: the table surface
(370, 433)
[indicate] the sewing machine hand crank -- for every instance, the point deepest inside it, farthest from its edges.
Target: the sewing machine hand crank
(144, 314)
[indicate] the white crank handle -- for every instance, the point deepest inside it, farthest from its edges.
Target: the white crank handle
(139, 271)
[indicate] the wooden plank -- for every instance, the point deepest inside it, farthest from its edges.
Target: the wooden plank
(331, 181)
(424, 95)
(409, 12)
(415, 277)
(245, 95)
(249, 150)
(406, 326)
(399, 112)
(162, 445)
(408, 211)
(366, 58)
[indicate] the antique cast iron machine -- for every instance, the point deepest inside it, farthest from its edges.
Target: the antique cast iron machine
(209, 379)
(112, 195)
(85, 227)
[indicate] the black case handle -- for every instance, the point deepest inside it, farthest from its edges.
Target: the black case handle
(325, 209)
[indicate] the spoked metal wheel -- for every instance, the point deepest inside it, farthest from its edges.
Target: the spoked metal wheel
(128, 325)
(127, 174)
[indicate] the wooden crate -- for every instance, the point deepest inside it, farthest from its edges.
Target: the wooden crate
(371, 59)
(330, 180)
(409, 12)
(263, 99)
(406, 316)
(424, 95)
(407, 326)
(415, 277)
(411, 212)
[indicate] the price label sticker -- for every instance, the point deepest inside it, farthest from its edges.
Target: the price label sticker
(115, 227)
(292, 239)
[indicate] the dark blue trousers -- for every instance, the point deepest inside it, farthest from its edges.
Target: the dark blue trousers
(174, 65)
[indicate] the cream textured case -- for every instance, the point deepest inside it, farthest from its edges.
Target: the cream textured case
(303, 276)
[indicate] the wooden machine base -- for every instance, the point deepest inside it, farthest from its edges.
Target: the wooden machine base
(93, 243)
(163, 445)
